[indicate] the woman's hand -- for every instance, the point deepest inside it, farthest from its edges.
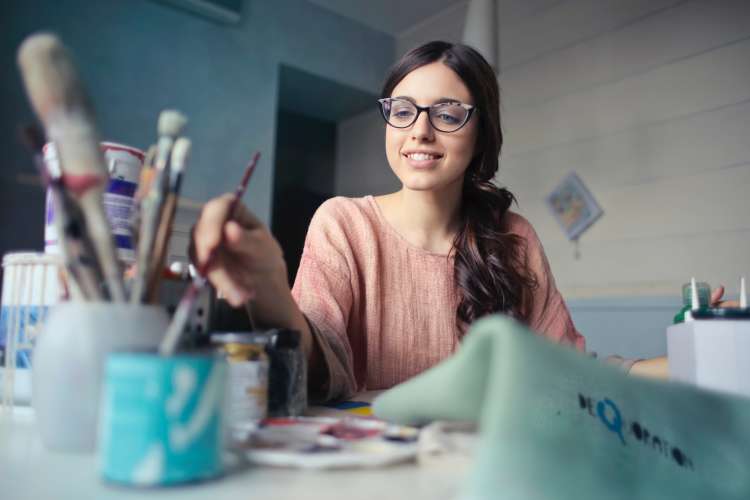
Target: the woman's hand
(247, 258)
(248, 268)
(717, 294)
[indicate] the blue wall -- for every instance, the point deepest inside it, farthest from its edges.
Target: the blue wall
(140, 56)
(632, 327)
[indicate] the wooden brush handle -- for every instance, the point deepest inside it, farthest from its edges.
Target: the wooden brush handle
(161, 247)
(61, 103)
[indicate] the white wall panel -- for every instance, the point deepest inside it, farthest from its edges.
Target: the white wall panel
(663, 37)
(706, 81)
(567, 23)
(698, 142)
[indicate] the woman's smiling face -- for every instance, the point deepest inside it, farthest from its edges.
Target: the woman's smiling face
(421, 157)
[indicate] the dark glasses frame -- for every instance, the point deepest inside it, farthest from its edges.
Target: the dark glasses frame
(386, 102)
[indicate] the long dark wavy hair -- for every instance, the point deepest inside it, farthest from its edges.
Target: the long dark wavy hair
(490, 263)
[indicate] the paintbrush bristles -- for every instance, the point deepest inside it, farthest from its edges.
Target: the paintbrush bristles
(50, 78)
(61, 103)
(171, 123)
(180, 154)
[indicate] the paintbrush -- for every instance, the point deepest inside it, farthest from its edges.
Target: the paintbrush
(170, 125)
(61, 103)
(145, 179)
(179, 157)
(76, 249)
(182, 314)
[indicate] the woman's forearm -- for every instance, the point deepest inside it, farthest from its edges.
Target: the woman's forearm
(275, 307)
(653, 368)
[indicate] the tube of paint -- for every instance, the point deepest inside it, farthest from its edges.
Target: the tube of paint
(124, 164)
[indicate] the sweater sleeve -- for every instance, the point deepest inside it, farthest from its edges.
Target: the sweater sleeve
(323, 291)
(548, 315)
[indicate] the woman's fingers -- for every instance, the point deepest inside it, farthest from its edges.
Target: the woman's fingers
(207, 233)
(244, 252)
(233, 280)
(716, 295)
(208, 230)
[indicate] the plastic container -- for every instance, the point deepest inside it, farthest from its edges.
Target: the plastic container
(31, 284)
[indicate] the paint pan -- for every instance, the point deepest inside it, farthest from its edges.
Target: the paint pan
(161, 422)
(330, 443)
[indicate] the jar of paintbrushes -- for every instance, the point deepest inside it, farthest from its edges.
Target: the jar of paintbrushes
(149, 382)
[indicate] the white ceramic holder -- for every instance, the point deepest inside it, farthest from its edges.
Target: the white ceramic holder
(714, 354)
(68, 363)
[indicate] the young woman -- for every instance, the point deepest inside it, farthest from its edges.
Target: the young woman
(388, 285)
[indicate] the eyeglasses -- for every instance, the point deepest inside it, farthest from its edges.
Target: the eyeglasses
(443, 116)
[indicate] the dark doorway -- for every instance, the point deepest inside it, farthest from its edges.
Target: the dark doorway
(304, 178)
(310, 107)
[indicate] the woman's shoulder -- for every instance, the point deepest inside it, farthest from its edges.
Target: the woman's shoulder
(341, 206)
(516, 223)
(351, 219)
(342, 210)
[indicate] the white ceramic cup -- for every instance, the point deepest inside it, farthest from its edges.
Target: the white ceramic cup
(68, 365)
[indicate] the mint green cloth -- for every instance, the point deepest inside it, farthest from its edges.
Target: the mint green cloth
(556, 424)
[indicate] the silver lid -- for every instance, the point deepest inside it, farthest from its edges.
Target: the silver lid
(249, 338)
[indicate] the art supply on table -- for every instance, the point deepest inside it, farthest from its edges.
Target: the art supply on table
(360, 408)
(703, 299)
(182, 314)
(124, 165)
(68, 365)
(247, 380)
(61, 103)
(171, 123)
(287, 379)
(31, 285)
(180, 154)
(84, 275)
(711, 348)
(144, 185)
(284, 364)
(162, 419)
(329, 443)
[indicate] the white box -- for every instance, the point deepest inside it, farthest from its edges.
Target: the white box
(713, 354)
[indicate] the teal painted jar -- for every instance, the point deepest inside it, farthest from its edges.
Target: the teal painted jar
(162, 419)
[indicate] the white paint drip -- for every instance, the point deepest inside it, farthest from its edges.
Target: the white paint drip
(151, 469)
(183, 379)
(181, 436)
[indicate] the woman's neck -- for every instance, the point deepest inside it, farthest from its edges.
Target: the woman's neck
(427, 219)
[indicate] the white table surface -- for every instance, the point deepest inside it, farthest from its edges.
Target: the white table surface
(29, 471)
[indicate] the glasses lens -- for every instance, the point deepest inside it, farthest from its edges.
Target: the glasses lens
(399, 112)
(448, 116)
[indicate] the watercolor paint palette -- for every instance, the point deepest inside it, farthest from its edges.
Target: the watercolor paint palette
(330, 443)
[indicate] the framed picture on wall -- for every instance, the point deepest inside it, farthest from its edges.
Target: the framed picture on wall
(573, 206)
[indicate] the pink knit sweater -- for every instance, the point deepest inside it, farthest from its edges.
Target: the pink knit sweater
(383, 310)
